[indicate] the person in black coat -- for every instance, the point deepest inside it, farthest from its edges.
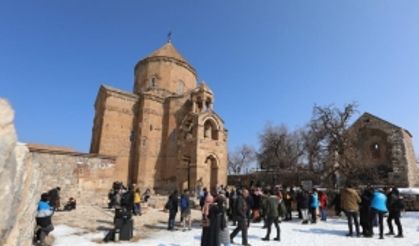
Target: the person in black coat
(395, 206)
(232, 205)
(172, 206)
(365, 212)
(302, 203)
(336, 204)
(211, 222)
(54, 198)
(241, 216)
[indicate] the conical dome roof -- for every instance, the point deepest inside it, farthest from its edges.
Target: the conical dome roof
(168, 50)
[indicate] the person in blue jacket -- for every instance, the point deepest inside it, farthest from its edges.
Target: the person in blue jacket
(378, 207)
(314, 205)
(43, 219)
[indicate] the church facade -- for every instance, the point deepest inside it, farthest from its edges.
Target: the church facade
(165, 134)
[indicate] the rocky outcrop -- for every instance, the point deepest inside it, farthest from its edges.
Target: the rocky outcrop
(19, 184)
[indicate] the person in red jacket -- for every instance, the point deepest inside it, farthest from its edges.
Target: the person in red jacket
(323, 205)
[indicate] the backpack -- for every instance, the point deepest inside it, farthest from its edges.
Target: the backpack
(127, 199)
(282, 210)
(168, 205)
(184, 203)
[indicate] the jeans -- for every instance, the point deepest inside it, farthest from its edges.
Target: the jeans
(42, 232)
(172, 216)
(137, 208)
(352, 216)
(241, 226)
(374, 214)
(323, 214)
(313, 212)
(275, 221)
(396, 217)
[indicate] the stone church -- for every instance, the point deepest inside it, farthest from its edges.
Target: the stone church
(386, 147)
(165, 134)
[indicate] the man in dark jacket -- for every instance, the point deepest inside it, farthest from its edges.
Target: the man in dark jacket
(185, 210)
(54, 198)
(365, 212)
(395, 206)
(172, 206)
(271, 211)
(241, 217)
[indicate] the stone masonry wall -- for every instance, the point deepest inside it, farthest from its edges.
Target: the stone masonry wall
(401, 159)
(85, 177)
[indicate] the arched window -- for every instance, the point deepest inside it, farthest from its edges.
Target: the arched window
(375, 151)
(210, 130)
(180, 87)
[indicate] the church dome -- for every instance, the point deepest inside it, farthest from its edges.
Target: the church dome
(167, 50)
(166, 69)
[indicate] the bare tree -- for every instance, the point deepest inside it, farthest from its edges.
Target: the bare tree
(280, 148)
(333, 123)
(239, 159)
(314, 146)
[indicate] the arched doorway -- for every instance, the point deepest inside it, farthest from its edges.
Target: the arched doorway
(213, 171)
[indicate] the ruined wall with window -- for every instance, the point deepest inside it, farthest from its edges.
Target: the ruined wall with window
(385, 149)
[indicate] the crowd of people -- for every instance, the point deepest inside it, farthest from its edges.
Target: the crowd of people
(363, 208)
(131, 197)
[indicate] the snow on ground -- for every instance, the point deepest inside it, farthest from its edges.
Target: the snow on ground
(293, 233)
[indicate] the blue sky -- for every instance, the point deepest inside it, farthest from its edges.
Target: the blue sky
(266, 61)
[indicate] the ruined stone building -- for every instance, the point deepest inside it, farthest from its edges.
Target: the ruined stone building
(386, 147)
(165, 134)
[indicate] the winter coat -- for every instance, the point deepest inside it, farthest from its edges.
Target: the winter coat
(185, 207)
(314, 200)
(44, 214)
(137, 197)
(379, 201)
(323, 200)
(241, 208)
(271, 207)
(54, 197)
(210, 234)
(350, 200)
(302, 200)
(394, 203)
(172, 203)
(256, 201)
(364, 209)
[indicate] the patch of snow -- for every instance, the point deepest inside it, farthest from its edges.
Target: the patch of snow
(410, 191)
(294, 233)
